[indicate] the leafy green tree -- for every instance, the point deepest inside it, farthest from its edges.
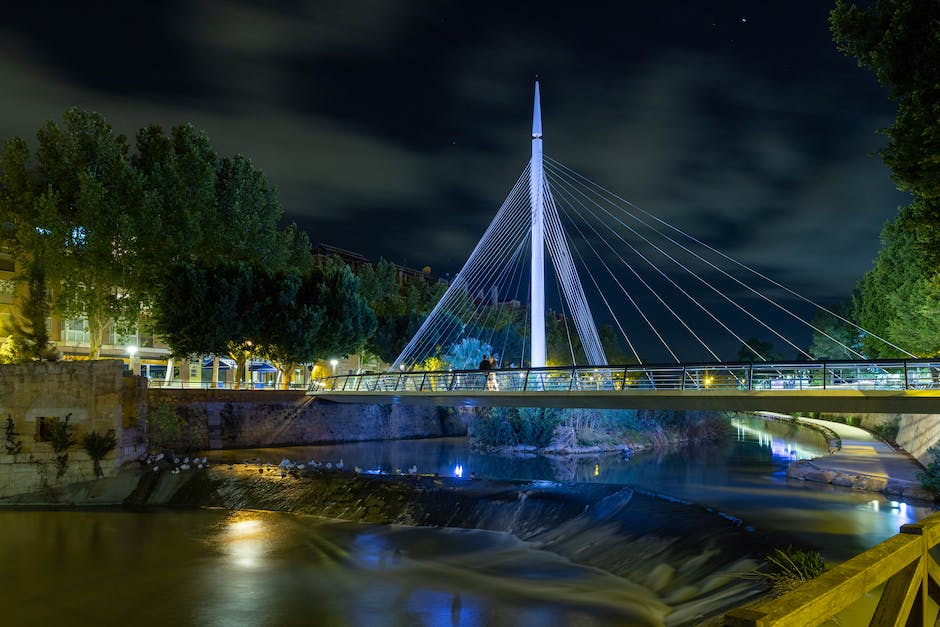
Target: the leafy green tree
(835, 339)
(245, 222)
(610, 340)
(200, 311)
(347, 321)
(69, 211)
(62, 438)
(293, 318)
(562, 342)
(897, 40)
(754, 349)
(98, 446)
(400, 307)
(178, 213)
(898, 298)
(11, 443)
(29, 335)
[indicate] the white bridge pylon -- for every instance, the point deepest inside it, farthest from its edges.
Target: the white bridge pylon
(665, 291)
(493, 271)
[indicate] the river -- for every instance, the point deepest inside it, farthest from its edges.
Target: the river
(219, 567)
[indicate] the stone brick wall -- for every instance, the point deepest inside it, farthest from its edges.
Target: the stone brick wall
(917, 433)
(95, 395)
(254, 418)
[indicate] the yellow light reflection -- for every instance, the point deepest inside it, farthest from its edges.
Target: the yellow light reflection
(597, 470)
(244, 539)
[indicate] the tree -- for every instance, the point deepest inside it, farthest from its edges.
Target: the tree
(348, 321)
(293, 318)
(897, 40)
(98, 446)
(610, 340)
(835, 339)
(244, 223)
(400, 306)
(69, 211)
(754, 349)
(178, 213)
(28, 332)
(467, 353)
(200, 311)
(562, 342)
(898, 298)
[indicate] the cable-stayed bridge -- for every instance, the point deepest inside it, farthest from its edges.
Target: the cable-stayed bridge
(888, 386)
(664, 297)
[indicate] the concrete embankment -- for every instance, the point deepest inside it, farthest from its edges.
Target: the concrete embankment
(864, 462)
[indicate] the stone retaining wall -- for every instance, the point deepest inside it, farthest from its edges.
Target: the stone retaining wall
(917, 433)
(99, 395)
(94, 395)
(217, 419)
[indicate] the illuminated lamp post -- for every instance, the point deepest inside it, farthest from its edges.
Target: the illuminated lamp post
(334, 363)
(132, 359)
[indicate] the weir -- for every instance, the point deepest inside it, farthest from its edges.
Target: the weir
(678, 561)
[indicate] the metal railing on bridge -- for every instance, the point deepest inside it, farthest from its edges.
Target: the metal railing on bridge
(899, 374)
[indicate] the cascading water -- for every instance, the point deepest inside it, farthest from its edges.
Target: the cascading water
(676, 562)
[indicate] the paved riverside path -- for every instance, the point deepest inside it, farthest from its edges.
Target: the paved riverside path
(864, 461)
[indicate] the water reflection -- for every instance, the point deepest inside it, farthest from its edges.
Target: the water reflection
(743, 477)
(214, 567)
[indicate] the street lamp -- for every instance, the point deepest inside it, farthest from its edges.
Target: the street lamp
(132, 351)
(334, 363)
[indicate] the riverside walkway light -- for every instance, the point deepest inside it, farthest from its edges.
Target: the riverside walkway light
(334, 363)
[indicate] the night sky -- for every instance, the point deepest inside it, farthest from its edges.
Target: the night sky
(396, 127)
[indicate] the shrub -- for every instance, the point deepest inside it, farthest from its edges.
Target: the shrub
(930, 479)
(888, 431)
(790, 568)
(62, 438)
(164, 429)
(501, 426)
(12, 444)
(98, 446)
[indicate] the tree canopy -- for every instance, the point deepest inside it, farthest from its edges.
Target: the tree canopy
(899, 298)
(127, 235)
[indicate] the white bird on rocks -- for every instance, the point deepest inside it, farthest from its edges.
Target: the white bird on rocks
(339, 464)
(329, 465)
(357, 469)
(413, 470)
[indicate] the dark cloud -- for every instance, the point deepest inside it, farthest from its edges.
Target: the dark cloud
(396, 128)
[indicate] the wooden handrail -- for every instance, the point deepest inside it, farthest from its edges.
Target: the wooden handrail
(902, 564)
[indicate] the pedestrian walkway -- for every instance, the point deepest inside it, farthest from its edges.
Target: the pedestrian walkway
(863, 462)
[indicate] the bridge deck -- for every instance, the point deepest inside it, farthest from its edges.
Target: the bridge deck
(784, 401)
(889, 386)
